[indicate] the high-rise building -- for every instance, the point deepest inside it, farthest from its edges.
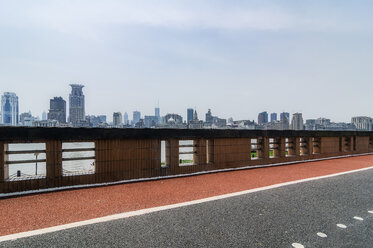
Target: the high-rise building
(157, 114)
(273, 117)
(44, 116)
(77, 106)
(150, 121)
(262, 118)
(125, 119)
(136, 117)
(9, 109)
(102, 118)
(190, 112)
(362, 123)
(117, 119)
(284, 115)
(297, 121)
(57, 109)
(209, 117)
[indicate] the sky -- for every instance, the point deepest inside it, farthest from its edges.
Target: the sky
(236, 57)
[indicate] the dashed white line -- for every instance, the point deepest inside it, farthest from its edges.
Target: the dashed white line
(371, 212)
(322, 235)
(358, 218)
(341, 226)
(297, 245)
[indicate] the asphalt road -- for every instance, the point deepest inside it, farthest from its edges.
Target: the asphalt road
(272, 218)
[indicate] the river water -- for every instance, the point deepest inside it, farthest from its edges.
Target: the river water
(69, 167)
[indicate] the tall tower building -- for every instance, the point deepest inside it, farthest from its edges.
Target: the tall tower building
(157, 114)
(209, 117)
(57, 109)
(9, 109)
(189, 114)
(297, 122)
(77, 109)
(44, 116)
(125, 119)
(262, 118)
(273, 117)
(117, 119)
(284, 115)
(136, 117)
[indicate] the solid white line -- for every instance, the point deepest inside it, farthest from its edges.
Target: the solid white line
(161, 208)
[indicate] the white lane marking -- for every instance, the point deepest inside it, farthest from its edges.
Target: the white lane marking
(341, 226)
(297, 245)
(167, 207)
(371, 212)
(358, 218)
(322, 235)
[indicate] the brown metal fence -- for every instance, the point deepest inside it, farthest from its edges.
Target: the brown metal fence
(116, 155)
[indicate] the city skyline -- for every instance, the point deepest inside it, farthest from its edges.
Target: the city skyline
(77, 88)
(56, 117)
(238, 58)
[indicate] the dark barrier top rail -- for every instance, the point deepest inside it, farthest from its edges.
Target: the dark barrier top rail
(28, 134)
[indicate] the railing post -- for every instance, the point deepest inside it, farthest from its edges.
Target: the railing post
(200, 157)
(297, 146)
(282, 148)
(172, 154)
(210, 153)
(317, 145)
(265, 148)
(4, 167)
(4, 172)
(309, 146)
(54, 162)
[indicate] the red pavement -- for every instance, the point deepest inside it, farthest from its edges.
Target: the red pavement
(50, 209)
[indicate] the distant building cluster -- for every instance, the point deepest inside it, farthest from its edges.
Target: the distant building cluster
(58, 116)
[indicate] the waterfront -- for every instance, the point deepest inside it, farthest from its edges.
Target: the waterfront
(39, 168)
(69, 167)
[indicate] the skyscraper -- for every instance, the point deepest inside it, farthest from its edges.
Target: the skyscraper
(297, 122)
(44, 116)
(125, 119)
(273, 117)
(284, 115)
(117, 119)
(9, 109)
(262, 118)
(190, 112)
(77, 109)
(57, 109)
(209, 117)
(136, 117)
(157, 114)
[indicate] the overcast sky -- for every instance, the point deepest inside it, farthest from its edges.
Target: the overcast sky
(236, 57)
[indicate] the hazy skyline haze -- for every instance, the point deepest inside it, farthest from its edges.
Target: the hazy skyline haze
(238, 58)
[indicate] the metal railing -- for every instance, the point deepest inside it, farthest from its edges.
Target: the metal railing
(109, 155)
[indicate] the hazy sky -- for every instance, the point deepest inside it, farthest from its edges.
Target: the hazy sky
(236, 57)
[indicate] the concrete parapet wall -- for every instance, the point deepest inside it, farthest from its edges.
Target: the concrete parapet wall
(124, 154)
